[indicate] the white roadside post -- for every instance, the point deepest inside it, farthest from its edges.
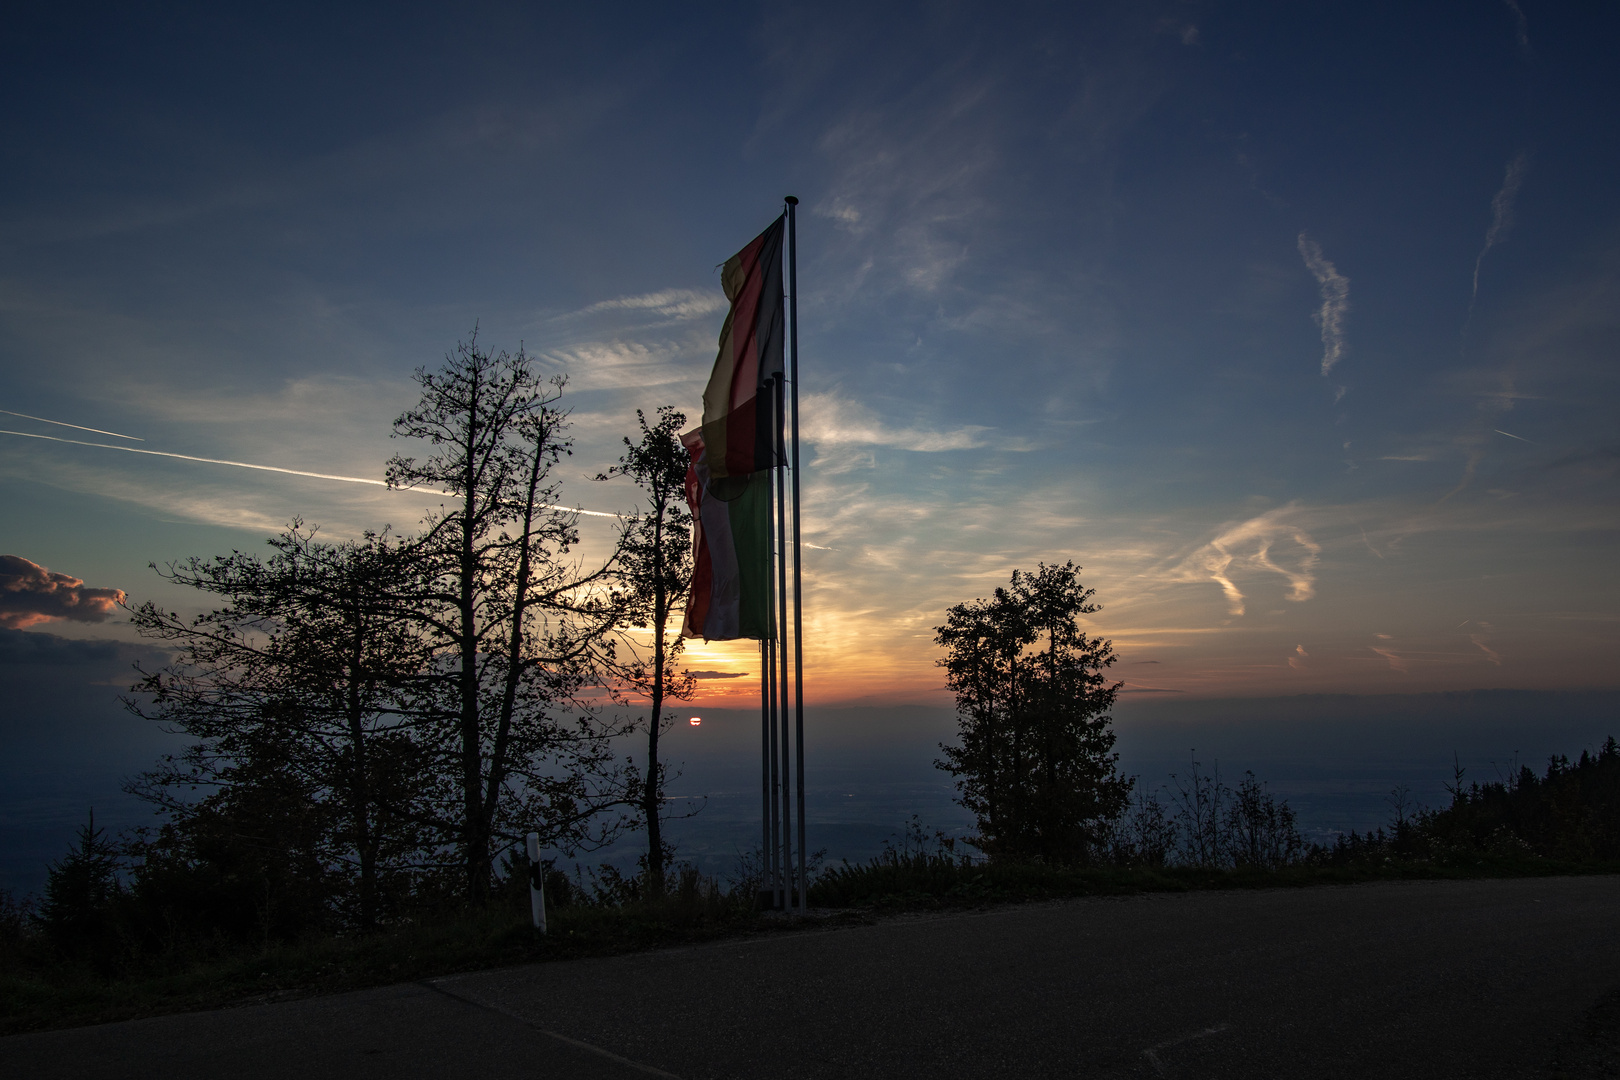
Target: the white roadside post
(537, 884)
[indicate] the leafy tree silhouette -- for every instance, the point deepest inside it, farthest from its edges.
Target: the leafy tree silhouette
(654, 571)
(296, 692)
(518, 630)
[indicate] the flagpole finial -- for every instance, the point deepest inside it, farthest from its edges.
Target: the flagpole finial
(791, 200)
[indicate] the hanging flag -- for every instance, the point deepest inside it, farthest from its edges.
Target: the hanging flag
(737, 428)
(731, 573)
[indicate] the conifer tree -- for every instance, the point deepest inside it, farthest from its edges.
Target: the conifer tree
(81, 889)
(1034, 762)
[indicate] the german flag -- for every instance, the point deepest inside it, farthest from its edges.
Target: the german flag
(737, 429)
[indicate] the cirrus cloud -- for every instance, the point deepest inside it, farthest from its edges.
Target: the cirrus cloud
(831, 420)
(1253, 545)
(1335, 290)
(667, 303)
(1501, 213)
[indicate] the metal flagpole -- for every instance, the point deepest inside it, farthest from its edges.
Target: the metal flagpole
(798, 606)
(778, 867)
(764, 777)
(781, 622)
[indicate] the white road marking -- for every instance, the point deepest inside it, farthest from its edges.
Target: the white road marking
(1151, 1053)
(436, 985)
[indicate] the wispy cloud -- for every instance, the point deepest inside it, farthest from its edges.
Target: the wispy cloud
(1490, 654)
(1396, 661)
(1521, 27)
(1501, 211)
(1335, 289)
(910, 187)
(627, 365)
(667, 303)
(1491, 401)
(311, 406)
(1251, 544)
(1186, 31)
(832, 420)
(837, 210)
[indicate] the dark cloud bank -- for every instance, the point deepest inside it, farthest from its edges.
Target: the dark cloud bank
(34, 648)
(66, 745)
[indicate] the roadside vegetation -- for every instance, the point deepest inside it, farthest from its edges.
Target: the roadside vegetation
(94, 950)
(1563, 821)
(107, 961)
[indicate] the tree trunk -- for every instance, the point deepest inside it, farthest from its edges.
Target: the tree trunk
(1050, 840)
(360, 785)
(1018, 824)
(651, 803)
(475, 836)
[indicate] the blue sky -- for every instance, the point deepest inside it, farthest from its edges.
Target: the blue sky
(1293, 324)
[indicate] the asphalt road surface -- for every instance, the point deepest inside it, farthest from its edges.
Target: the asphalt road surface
(1420, 979)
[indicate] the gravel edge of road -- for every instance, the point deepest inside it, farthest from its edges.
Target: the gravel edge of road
(1593, 1053)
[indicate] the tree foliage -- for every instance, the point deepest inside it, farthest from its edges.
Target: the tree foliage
(1221, 828)
(1034, 762)
(376, 720)
(295, 690)
(1569, 813)
(81, 891)
(515, 627)
(654, 571)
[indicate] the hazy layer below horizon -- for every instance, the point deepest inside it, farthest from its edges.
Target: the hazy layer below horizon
(1335, 758)
(66, 746)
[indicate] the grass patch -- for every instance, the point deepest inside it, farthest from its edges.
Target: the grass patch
(901, 882)
(38, 991)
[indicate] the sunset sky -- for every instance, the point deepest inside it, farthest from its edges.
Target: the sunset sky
(1295, 325)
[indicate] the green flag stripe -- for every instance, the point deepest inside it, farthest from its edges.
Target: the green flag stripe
(750, 534)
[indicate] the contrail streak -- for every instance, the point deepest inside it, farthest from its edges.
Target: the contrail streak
(79, 427)
(205, 460)
(270, 468)
(1501, 215)
(1510, 435)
